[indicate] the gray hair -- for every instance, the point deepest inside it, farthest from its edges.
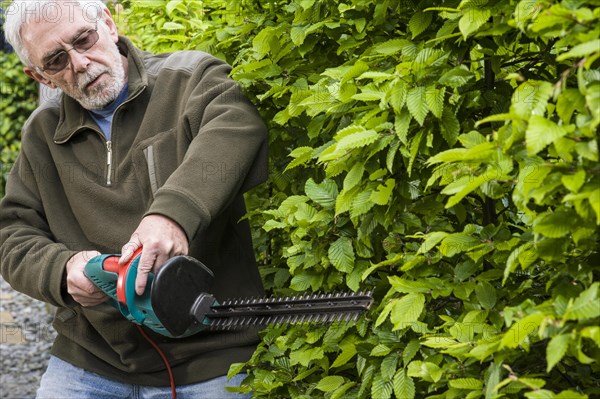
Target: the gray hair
(21, 12)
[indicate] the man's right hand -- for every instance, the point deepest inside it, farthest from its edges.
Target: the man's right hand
(78, 285)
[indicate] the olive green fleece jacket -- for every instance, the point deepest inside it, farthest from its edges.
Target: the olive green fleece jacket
(185, 144)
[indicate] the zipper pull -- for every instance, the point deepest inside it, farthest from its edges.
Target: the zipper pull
(109, 163)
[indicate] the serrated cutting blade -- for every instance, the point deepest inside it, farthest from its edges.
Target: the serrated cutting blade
(316, 308)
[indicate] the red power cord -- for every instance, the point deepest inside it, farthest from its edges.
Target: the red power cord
(164, 359)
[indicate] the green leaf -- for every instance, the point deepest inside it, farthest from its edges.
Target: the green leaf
(440, 342)
(466, 383)
(307, 4)
(522, 330)
(301, 155)
(586, 306)
(330, 383)
(581, 50)
(381, 389)
(273, 224)
(556, 349)
(531, 98)
(235, 369)
(569, 101)
(355, 71)
(486, 295)
(472, 20)
(385, 312)
(306, 356)
(431, 240)
(391, 155)
(383, 193)
(492, 379)
(261, 42)
(404, 386)
(557, 224)
(542, 394)
(354, 279)
(354, 176)
(416, 102)
(341, 391)
(397, 95)
(341, 254)
(524, 255)
(569, 394)
(435, 100)
(575, 181)
(390, 47)
(419, 22)
(402, 124)
(415, 146)
(172, 26)
(450, 126)
(324, 193)
(357, 140)
(407, 310)
(410, 351)
(466, 185)
(525, 11)
(172, 5)
(367, 94)
(361, 204)
(481, 152)
(360, 24)
(301, 282)
(472, 139)
(594, 199)
(345, 199)
(298, 34)
(426, 370)
(456, 243)
(380, 350)
(348, 352)
(542, 132)
(405, 286)
(175, 5)
(456, 77)
(388, 366)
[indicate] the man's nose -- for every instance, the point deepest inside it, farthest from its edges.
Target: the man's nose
(79, 61)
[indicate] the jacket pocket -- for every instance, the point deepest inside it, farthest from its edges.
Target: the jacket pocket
(156, 158)
(149, 154)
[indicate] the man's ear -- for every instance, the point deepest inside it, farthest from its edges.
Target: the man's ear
(33, 74)
(110, 23)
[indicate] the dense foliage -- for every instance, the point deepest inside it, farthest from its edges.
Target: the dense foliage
(443, 154)
(18, 97)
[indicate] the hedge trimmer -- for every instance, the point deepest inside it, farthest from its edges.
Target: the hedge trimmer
(177, 302)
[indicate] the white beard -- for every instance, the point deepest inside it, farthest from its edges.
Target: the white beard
(102, 94)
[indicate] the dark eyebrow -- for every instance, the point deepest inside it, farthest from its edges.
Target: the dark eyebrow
(49, 55)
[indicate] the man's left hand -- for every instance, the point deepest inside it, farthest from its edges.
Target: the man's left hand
(161, 239)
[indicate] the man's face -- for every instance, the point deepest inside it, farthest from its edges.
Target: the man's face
(94, 77)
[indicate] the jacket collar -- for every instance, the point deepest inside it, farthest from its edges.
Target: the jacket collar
(74, 118)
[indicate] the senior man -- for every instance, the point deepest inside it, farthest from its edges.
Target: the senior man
(140, 151)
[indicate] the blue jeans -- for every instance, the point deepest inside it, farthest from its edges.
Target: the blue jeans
(63, 380)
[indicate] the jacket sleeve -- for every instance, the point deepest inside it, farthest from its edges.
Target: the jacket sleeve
(30, 261)
(227, 154)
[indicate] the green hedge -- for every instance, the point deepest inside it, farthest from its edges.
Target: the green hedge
(443, 154)
(18, 98)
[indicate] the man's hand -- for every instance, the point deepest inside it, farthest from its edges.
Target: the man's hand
(161, 239)
(78, 285)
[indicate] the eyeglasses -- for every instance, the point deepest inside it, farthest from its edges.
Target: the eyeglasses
(81, 44)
